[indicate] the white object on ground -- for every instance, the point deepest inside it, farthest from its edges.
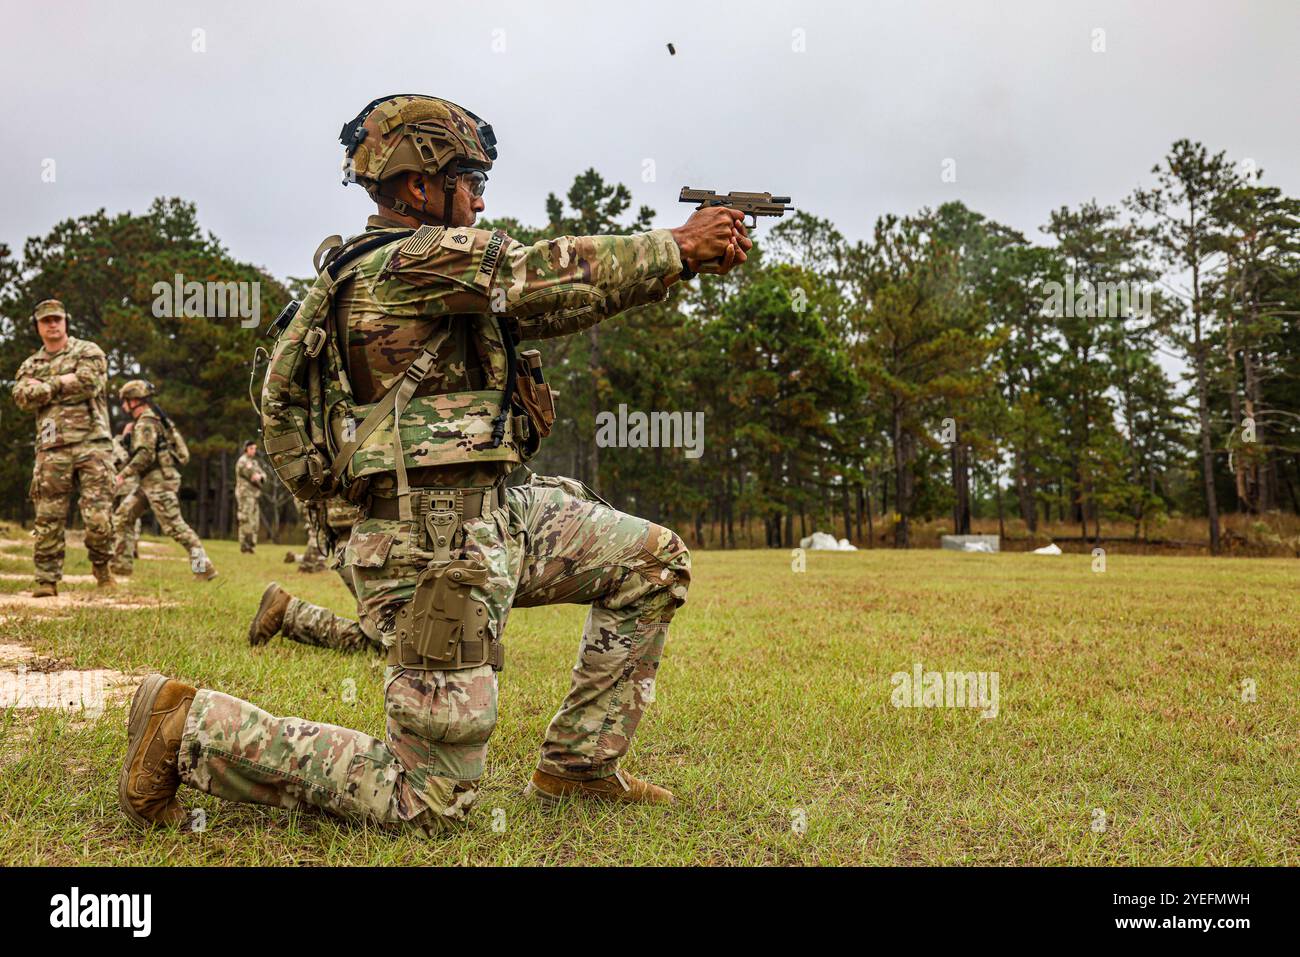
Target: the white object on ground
(822, 542)
(1052, 549)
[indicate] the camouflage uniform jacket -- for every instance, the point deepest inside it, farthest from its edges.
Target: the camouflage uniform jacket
(404, 295)
(149, 449)
(71, 397)
(248, 477)
(121, 450)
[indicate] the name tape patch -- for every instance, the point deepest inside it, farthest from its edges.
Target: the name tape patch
(491, 255)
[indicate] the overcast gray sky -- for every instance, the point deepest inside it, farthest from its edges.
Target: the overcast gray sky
(850, 107)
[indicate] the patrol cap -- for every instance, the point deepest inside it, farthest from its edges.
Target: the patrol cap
(49, 307)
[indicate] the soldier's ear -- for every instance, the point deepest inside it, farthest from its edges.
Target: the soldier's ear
(415, 184)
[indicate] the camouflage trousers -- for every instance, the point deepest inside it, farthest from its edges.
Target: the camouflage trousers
(158, 491)
(549, 545)
(91, 463)
(314, 625)
(247, 512)
(314, 558)
(128, 536)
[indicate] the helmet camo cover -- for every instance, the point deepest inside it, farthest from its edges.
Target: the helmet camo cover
(413, 133)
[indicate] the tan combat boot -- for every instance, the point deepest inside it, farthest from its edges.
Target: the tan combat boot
(146, 788)
(103, 576)
(290, 558)
(45, 590)
(620, 786)
(209, 571)
(269, 619)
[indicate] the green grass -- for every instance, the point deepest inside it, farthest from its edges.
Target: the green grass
(1119, 691)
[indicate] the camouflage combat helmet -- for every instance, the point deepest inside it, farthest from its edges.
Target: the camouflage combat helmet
(136, 389)
(408, 132)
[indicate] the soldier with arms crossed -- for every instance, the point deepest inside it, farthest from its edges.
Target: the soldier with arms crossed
(66, 385)
(439, 309)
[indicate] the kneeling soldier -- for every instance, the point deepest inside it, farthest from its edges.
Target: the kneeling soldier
(428, 319)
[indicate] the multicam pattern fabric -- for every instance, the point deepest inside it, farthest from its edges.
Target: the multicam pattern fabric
(248, 493)
(67, 392)
(447, 286)
(131, 533)
(387, 146)
(546, 546)
(90, 463)
(160, 493)
(320, 627)
(153, 466)
(314, 558)
(149, 449)
(448, 292)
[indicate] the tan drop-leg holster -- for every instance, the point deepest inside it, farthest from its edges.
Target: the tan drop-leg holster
(444, 627)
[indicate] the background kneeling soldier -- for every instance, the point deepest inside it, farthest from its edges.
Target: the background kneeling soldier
(280, 613)
(157, 449)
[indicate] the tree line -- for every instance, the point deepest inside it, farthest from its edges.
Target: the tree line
(1131, 363)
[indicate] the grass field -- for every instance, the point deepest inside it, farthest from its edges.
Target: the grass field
(1120, 694)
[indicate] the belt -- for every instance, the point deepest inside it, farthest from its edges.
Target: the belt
(469, 654)
(465, 502)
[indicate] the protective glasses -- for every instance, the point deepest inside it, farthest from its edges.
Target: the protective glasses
(477, 180)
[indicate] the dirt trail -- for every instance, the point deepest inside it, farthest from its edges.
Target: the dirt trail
(29, 681)
(113, 600)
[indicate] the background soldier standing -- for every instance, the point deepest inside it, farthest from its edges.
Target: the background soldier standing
(154, 463)
(66, 385)
(248, 493)
(130, 534)
(449, 303)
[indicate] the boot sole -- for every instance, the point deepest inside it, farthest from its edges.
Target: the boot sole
(141, 707)
(267, 596)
